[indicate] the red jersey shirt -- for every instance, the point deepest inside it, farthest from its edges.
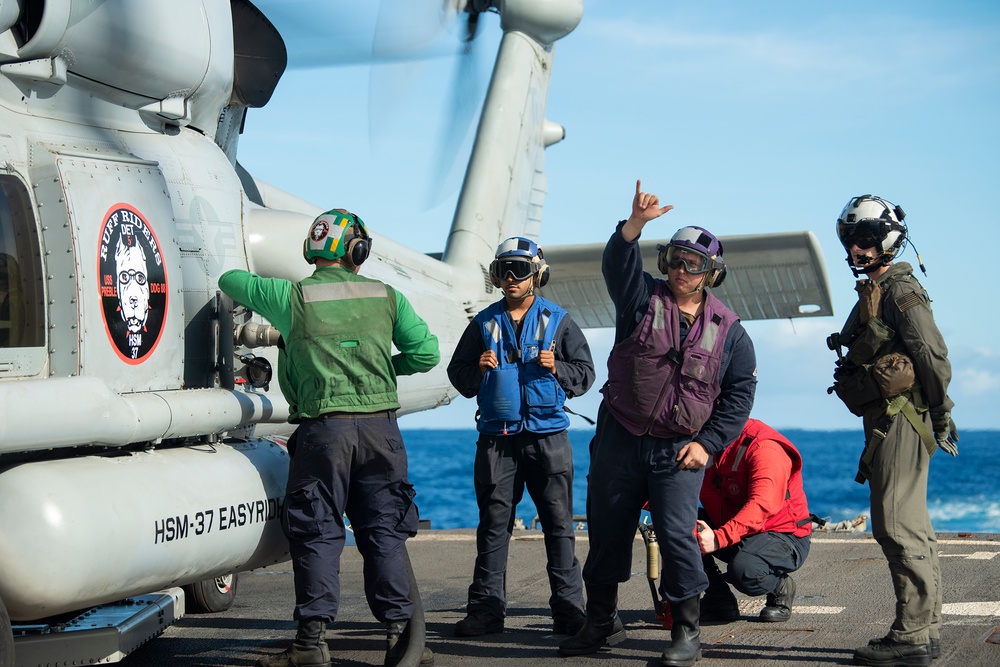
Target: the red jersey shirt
(755, 486)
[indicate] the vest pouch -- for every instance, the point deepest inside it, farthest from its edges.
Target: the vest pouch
(629, 393)
(541, 393)
(873, 337)
(690, 414)
(856, 388)
(694, 398)
(500, 396)
(894, 374)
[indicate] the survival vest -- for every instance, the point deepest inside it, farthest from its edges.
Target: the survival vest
(519, 393)
(658, 385)
(858, 379)
(726, 487)
(338, 354)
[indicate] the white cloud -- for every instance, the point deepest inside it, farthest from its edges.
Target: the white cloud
(976, 381)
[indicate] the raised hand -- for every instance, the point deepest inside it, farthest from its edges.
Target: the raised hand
(645, 207)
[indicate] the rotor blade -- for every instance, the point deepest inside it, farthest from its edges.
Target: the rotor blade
(465, 99)
(320, 33)
(412, 28)
(404, 28)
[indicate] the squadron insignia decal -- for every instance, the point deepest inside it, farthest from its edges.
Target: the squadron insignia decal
(132, 282)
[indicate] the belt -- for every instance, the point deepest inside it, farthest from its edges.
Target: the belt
(381, 414)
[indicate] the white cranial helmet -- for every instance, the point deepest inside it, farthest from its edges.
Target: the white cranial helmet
(872, 222)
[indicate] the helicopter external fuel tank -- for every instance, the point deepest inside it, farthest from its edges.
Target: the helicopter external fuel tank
(88, 530)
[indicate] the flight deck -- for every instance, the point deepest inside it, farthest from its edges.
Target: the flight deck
(844, 598)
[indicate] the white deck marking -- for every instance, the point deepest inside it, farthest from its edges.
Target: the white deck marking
(972, 608)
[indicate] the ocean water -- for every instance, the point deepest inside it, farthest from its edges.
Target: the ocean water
(963, 492)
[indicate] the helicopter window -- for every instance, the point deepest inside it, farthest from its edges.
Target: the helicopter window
(21, 297)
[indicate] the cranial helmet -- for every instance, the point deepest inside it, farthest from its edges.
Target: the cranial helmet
(872, 222)
(702, 243)
(522, 258)
(335, 234)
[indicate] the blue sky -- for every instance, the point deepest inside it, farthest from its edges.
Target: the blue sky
(748, 117)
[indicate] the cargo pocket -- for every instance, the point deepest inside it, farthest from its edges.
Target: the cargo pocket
(408, 516)
(306, 514)
(557, 454)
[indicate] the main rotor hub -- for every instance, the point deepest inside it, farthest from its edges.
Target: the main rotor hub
(545, 21)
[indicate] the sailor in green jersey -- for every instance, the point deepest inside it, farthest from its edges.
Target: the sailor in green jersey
(338, 373)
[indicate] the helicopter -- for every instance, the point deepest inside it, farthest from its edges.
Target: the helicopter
(142, 459)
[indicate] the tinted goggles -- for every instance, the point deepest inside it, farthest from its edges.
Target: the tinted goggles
(692, 262)
(515, 268)
(864, 233)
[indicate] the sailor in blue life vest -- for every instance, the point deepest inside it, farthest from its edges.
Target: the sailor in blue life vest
(522, 357)
(681, 382)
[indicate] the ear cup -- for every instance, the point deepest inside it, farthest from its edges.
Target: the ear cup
(358, 249)
(661, 259)
(719, 276)
(494, 268)
(359, 245)
(542, 277)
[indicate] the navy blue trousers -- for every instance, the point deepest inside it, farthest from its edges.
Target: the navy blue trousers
(625, 471)
(504, 466)
(355, 465)
(756, 562)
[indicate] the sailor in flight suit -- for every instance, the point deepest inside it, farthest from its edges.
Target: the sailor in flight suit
(895, 375)
(522, 357)
(339, 375)
(681, 382)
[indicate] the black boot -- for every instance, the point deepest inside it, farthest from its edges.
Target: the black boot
(602, 627)
(308, 650)
(719, 604)
(685, 635)
(886, 651)
(779, 601)
(397, 639)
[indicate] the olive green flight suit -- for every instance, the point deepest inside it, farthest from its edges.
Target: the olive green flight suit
(897, 467)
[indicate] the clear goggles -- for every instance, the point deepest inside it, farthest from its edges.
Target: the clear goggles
(693, 262)
(518, 269)
(864, 233)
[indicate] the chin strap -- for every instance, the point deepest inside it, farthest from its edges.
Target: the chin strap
(700, 288)
(530, 292)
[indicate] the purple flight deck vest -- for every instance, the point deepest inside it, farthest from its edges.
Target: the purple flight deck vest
(657, 385)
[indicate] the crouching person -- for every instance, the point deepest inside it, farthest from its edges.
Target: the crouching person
(756, 520)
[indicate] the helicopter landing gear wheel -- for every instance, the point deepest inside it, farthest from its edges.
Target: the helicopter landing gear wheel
(211, 595)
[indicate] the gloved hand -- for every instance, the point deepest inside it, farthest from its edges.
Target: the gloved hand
(946, 433)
